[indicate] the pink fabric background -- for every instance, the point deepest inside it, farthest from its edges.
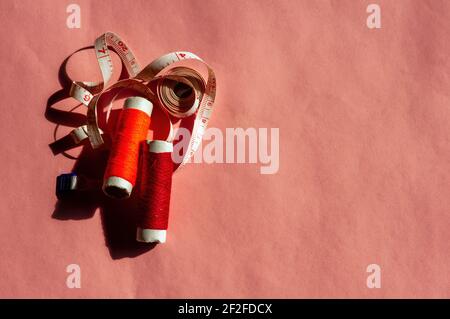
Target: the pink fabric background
(364, 151)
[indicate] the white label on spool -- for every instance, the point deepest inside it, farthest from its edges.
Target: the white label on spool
(160, 147)
(139, 103)
(118, 182)
(151, 235)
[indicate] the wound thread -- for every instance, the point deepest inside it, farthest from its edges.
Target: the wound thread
(121, 170)
(154, 188)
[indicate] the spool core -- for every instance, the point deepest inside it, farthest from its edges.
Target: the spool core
(182, 90)
(117, 187)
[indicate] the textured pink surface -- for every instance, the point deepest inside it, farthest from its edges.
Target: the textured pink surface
(364, 152)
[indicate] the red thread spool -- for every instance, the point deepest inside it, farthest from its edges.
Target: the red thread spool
(154, 188)
(121, 171)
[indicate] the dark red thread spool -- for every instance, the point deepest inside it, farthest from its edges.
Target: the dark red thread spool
(121, 171)
(154, 191)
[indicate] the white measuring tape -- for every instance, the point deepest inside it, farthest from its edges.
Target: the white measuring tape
(156, 82)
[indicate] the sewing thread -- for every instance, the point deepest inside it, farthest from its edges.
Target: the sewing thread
(154, 191)
(121, 171)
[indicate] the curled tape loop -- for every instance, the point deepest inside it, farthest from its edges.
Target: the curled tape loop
(156, 82)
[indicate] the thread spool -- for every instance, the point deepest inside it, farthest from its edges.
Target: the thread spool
(121, 170)
(154, 188)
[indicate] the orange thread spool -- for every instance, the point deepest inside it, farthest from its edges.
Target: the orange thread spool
(121, 170)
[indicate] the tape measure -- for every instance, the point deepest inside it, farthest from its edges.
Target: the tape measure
(156, 82)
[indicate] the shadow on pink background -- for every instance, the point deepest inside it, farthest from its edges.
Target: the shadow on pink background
(364, 173)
